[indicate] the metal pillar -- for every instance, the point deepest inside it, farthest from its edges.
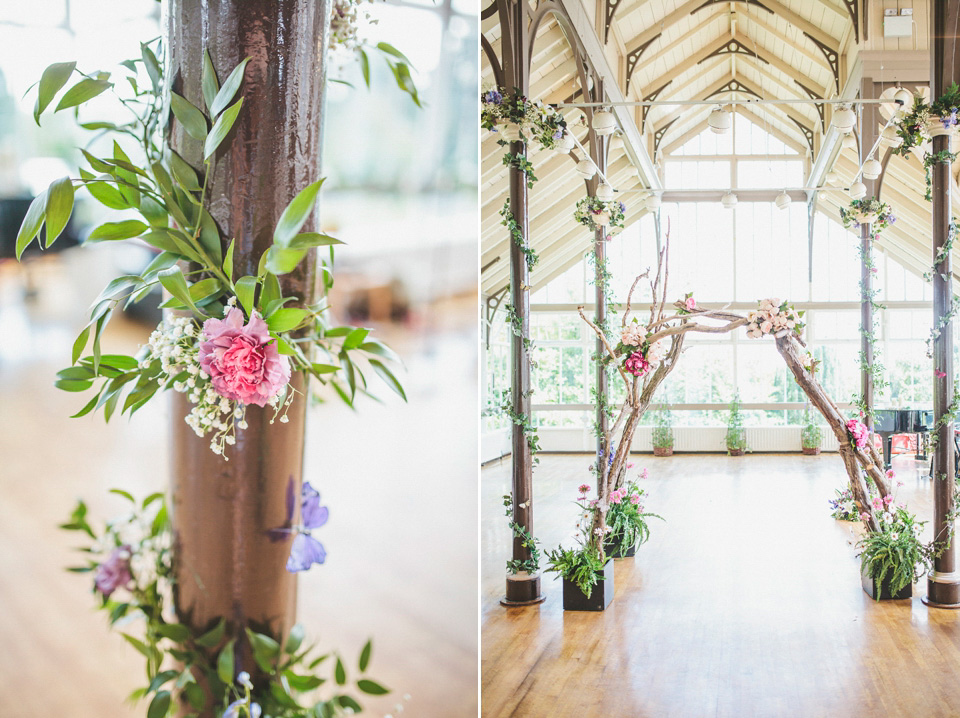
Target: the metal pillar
(943, 582)
(226, 566)
(868, 136)
(521, 588)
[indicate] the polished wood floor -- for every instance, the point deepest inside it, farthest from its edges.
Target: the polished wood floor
(401, 541)
(746, 602)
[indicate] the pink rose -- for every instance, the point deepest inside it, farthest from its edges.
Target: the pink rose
(243, 361)
(113, 573)
(690, 304)
(637, 364)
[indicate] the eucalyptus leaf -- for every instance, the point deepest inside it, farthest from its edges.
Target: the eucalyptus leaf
(388, 377)
(371, 687)
(245, 289)
(152, 66)
(173, 281)
(284, 261)
(312, 239)
(212, 638)
(160, 705)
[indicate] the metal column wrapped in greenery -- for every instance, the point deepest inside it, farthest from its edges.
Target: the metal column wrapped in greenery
(217, 171)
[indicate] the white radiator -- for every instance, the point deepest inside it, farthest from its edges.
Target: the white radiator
(687, 438)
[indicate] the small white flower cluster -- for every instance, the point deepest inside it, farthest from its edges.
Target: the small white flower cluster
(773, 318)
(176, 343)
(149, 556)
(344, 21)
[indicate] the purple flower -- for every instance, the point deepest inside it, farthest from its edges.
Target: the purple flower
(114, 572)
(492, 97)
(233, 710)
(623, 207)
(558, 134)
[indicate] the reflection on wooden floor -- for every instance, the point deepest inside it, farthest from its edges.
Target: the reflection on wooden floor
(401, 539)
(745, 602)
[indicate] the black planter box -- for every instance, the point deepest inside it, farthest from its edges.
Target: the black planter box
(601, 596)
(881, 592)
(612, 546)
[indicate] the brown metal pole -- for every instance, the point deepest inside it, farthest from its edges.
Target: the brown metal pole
(522, 588)
(600, 314)
(225, 564)
(943, 582)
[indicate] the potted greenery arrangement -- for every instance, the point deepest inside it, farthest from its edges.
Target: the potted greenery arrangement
(587, 572)
(736, 435)
(515, 118)
(662, 432)
(627, 522)
(844, 507)
(942, 118)
(869, 210)
(892, 558)
(593, 213)
(811, 435)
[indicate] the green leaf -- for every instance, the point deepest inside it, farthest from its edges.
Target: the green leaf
(365, 655)
(348, 702)
(225, 663)
(32, 222)
(105, 194)
(97, 164)
(189, 116)
(152, 65)
(59, 207)
(208, 81)
(388, 377)
(81, 342)
(88, 407)
(355, 338)
(375, 347)
(51, 82)
(73, 384)
(195, 695)
(228, 261)
(155, 496)
(210, 237)
(229, 89)
(110, 231)
(295, 215)
(246, 287)
(83, 91)
(221, 128)
(284, 261)
(173, 281)
(302, 683)
(388, 49)
(312, 239)
(125, 494)
(371, 687)
(204, 288)
(324, 368)
(265, 649)
(340, 674)
(271, 293)
(365, 67)
(294, 639)
(183, 173)
(159, 705)
(153, 212)
(160, 679)
(212, 638)
(283, 320)
(176, 632)
(141, 647)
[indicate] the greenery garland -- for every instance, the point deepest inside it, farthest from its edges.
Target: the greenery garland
(534, 120)
(858, 210)
(513, 227)
(589, 209)
(532, 564)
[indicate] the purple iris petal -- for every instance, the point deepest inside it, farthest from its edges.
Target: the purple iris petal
(305, 552)
(312, 514)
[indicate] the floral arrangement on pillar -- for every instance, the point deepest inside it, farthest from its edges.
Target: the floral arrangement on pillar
(516, 119)
(595, 213)
(870, 211)
(662, 436)
(247, 326)
(918, 124)
(736, 437)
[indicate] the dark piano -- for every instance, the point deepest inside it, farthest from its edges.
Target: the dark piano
(903, 421)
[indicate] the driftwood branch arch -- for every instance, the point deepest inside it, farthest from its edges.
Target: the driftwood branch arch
(672, 322)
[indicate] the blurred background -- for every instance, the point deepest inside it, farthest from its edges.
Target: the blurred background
(401, 191)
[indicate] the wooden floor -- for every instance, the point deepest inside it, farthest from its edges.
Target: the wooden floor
(401, 541)
(746, 602)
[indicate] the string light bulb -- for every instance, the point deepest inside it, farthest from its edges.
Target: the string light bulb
(729, 200)
(565, 144)
(605, 192)
(849, 142)
(652, 202)
(832, 177)
(604, 123)
(858, 190)
(872, 169)
(586, 168)
(889, 137)
(783, 200)
(844, 118)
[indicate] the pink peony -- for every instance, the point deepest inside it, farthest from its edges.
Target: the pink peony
(631, 335)
(114, 572)
(859, 432)
(243, 361)
(690, 304)
(637, 364)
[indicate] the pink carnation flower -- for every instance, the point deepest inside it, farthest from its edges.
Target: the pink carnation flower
(243, 361)
(637, 364)
(859, 432)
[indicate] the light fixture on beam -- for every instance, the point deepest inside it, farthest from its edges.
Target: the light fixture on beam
(890, 138)
(783, 200)
(832, 177)
(652, 202)
(605, 192)
(858, 190)
(849, 142)
(604, 123)
(565, 144)
(719, 121)
(844, 118)
(586, 168)
(904, 98)
(872, 169)
(729, 200)
(616, 142)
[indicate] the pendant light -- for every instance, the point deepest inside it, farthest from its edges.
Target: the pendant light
(616, 142)
(652, 202)
(849, 142)
(729, 200)
(844, 118)
(604, 123)
(719, 121)
(904, 98)
(605, 192)
(858, 190)
(889, 137)
(872, 169)
(832, 177)
(565, 144)
(783, 200)
(586, 168)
